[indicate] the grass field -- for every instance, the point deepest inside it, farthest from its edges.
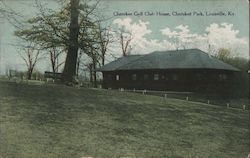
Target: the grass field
(52, 121)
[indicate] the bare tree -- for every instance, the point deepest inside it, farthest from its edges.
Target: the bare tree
(94, 54)
(30, 56)
(90, 70)
(54, 55)
(105, 38)
(212, 50)
(94, 57)
(9, 14)
(125, 39)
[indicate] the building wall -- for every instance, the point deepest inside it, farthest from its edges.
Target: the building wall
(200, 80)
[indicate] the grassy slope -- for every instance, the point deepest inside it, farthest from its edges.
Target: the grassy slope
(57, 121)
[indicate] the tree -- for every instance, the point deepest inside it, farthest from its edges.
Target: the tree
(49, 32)
(12, 16)
(94, 61)
(239, 62)
(30, 56)
(71, 59)
(73, 28)
(54, 55)
(88, 24)
(125, 39)
(93, 51)
(105, 38)
(223, 54)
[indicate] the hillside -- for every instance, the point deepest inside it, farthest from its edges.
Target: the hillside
(47, 121)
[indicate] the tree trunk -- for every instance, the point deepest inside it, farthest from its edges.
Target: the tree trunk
(91, 73)
(94, 73)
(57, 63)
(71, 59)
(103, 59)
(52, 60)
(77, 67)
(29, 73)
(78, 64)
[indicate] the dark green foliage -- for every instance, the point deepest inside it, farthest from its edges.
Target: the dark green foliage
(240, 84)
(238, 62)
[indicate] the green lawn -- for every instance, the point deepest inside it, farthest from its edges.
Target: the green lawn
(52, 121)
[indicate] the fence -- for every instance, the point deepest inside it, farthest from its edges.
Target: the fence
(242, 103)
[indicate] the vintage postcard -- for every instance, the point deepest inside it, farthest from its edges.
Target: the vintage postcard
(124, 79)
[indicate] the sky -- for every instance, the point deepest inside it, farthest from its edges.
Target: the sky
(155, 26)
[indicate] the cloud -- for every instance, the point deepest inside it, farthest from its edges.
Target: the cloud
(137, 29)
(168, 32)
(225, 36)
(215, 36)
(140, 43)
(181, 36)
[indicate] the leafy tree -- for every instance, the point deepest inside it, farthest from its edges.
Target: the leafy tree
(49, 32)
(74, 27)
(223, 54)
(238, 62)
(240, 84)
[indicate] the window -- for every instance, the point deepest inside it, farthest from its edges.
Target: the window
(134, 77)
(162, 77)
(199, 77)
(117, 77)
(145, 77)
(174, 77)
(156, 77)
(222, 77)
(109, 77)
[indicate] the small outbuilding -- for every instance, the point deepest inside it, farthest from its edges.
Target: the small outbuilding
(190, 70)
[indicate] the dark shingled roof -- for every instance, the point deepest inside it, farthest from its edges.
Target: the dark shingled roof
(175, 59)
(119, 62)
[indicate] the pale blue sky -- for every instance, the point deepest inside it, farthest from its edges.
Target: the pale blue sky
(196, 24)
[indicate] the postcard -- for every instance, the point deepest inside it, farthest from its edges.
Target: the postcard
(124, 79)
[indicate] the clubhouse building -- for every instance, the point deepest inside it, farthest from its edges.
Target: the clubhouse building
(190, 70)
